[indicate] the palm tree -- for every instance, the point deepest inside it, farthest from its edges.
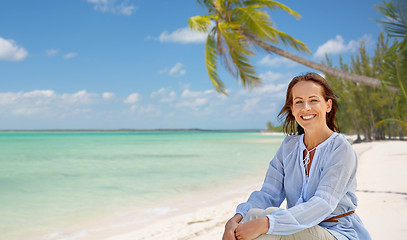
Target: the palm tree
(234, 27)
(395, 13)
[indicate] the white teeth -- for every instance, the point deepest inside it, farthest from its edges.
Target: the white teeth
(308, 117)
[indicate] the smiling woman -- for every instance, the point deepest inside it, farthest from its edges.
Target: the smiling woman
(314, 171)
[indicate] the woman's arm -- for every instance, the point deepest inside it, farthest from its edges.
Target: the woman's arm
(272, 193)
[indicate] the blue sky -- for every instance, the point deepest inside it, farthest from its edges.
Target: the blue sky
(108, 64)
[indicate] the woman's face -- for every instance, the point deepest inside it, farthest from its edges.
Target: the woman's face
(309, 106)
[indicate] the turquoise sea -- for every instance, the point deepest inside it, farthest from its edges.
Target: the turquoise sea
(50, 181)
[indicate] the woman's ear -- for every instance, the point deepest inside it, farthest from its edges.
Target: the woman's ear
(329, 102)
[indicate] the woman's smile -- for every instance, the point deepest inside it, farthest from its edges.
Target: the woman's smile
(308, 117)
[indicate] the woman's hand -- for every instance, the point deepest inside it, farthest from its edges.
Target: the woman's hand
(252, 229)
(231, 226)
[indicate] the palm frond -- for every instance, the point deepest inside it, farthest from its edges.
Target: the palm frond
(224, 55)
(211, 61)
(206, 3)
(272, 5)
(394, 67)
(392, 120)
(239, 53)
(256, 21)
(395, 25)
(288, 40)
(201, 23)
(233, 38)
(246, 71)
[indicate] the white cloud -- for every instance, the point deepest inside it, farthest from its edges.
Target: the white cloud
(113, 6)
(108, 95)
(272, 90)
(194, 104)
(177, 70)
(250, 104)
(338, 46)
(51, 52)
(20, 110)
(149, 109)
(164, 95)
(132, 98)
(195, 99)
(191, 94)
(270, 76)
(126, 10)
(36, 97)
(80, 111)
(183, 35)
(80, 97)
(277, 62)
(9, 51)
(164, 70)
(70, 55)
(45, 102)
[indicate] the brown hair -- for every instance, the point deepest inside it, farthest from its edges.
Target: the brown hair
(290, 126)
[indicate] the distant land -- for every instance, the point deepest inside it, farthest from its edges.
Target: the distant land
(134, 130)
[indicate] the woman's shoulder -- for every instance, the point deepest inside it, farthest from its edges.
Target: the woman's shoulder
(290, 143)
(291, 140)
(340, 146)
(340, 141)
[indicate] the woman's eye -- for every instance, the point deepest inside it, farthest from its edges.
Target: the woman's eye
(314, 100)
(298, 102)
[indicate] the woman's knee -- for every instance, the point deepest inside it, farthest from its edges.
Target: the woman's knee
(270, 210)
(253, 213)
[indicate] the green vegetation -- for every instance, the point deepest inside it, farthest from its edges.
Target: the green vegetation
(273, 128)
(376, 112)
(235, 27)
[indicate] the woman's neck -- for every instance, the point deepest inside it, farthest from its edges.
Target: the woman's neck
(314, 138)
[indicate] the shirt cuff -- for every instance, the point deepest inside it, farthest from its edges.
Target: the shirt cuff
(243, 208)
(271, 223)
(241, 213)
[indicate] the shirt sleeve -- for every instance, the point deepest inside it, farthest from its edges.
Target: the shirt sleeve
(271, 194)
(337, 175)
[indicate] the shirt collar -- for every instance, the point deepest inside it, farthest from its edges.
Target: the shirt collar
(302, 144)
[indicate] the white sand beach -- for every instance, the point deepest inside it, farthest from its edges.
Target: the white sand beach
(382, 193)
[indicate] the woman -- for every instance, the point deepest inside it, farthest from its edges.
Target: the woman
(313, 170)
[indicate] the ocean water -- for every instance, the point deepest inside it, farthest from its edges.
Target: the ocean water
(52, 180)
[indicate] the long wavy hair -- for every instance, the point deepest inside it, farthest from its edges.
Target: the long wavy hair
(290, 126)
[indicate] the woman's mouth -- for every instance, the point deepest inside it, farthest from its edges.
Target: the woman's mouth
(308, 117)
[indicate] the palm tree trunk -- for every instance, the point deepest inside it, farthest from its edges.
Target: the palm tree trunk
(356, 125)
(374, 82)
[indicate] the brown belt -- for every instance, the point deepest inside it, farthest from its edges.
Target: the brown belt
(332, 219)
